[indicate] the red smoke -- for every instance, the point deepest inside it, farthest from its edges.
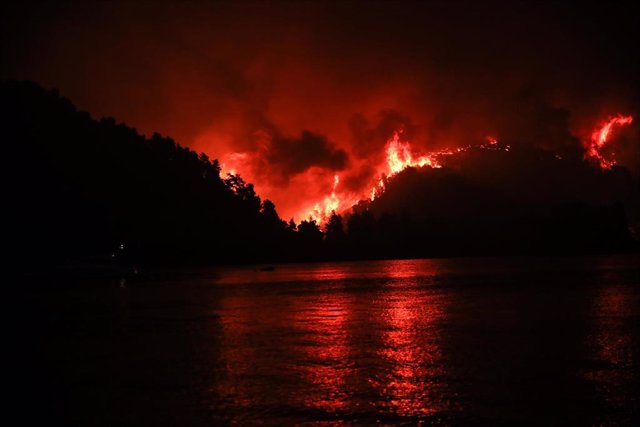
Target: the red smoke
(292, 94)
(320, 192)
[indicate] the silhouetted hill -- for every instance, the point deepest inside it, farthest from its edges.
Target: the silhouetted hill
(506, 202)
(75, 187)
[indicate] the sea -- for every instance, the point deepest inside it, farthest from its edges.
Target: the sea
(463, 341)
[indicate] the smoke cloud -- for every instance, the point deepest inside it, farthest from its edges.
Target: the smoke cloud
(289, 94)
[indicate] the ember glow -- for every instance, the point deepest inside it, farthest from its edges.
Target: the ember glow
(289, 96)
(330, 204)
(600, 139)
(399, 155)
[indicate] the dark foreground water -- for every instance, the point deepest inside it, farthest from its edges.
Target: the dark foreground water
(513, 341)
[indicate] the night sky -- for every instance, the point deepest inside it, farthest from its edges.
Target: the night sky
(291, 94)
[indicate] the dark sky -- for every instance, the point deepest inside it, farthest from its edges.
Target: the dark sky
(324, 83)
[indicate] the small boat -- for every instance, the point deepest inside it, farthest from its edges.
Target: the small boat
(267, 268)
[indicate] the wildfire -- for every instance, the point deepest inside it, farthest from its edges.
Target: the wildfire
(377, 190)
(400, 155)
(322, 211)
(600, 138)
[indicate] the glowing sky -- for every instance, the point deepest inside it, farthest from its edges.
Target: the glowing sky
(308, 90)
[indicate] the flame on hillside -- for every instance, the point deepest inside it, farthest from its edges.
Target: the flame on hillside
(600, 138)
(399, 155)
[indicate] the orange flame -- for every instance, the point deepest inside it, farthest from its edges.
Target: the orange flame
(322, 211)
(399, 156)
(600, 138)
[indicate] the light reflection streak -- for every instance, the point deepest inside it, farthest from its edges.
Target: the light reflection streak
(335, 349)
(327, 356)
(411, 345)
(236, 326)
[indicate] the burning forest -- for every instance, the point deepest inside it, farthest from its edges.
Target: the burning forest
(337, 120)
(311, 212)
(398, 155)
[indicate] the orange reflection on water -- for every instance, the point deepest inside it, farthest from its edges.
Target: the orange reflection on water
(236, 327)
(327, 341)
(284, 347)
(326, 357)
(255, 346)
(332, 273)
(411, 345)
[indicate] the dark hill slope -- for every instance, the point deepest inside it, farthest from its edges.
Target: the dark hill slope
(74, 186)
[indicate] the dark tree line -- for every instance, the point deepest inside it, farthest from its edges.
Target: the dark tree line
(573, 229)
(74, 187)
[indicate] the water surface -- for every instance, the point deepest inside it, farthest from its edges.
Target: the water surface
(460, 341)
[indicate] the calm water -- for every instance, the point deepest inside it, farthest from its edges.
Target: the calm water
(538, 341)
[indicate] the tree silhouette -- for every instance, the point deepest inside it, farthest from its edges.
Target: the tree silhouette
(75, 187)
(335, 237)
